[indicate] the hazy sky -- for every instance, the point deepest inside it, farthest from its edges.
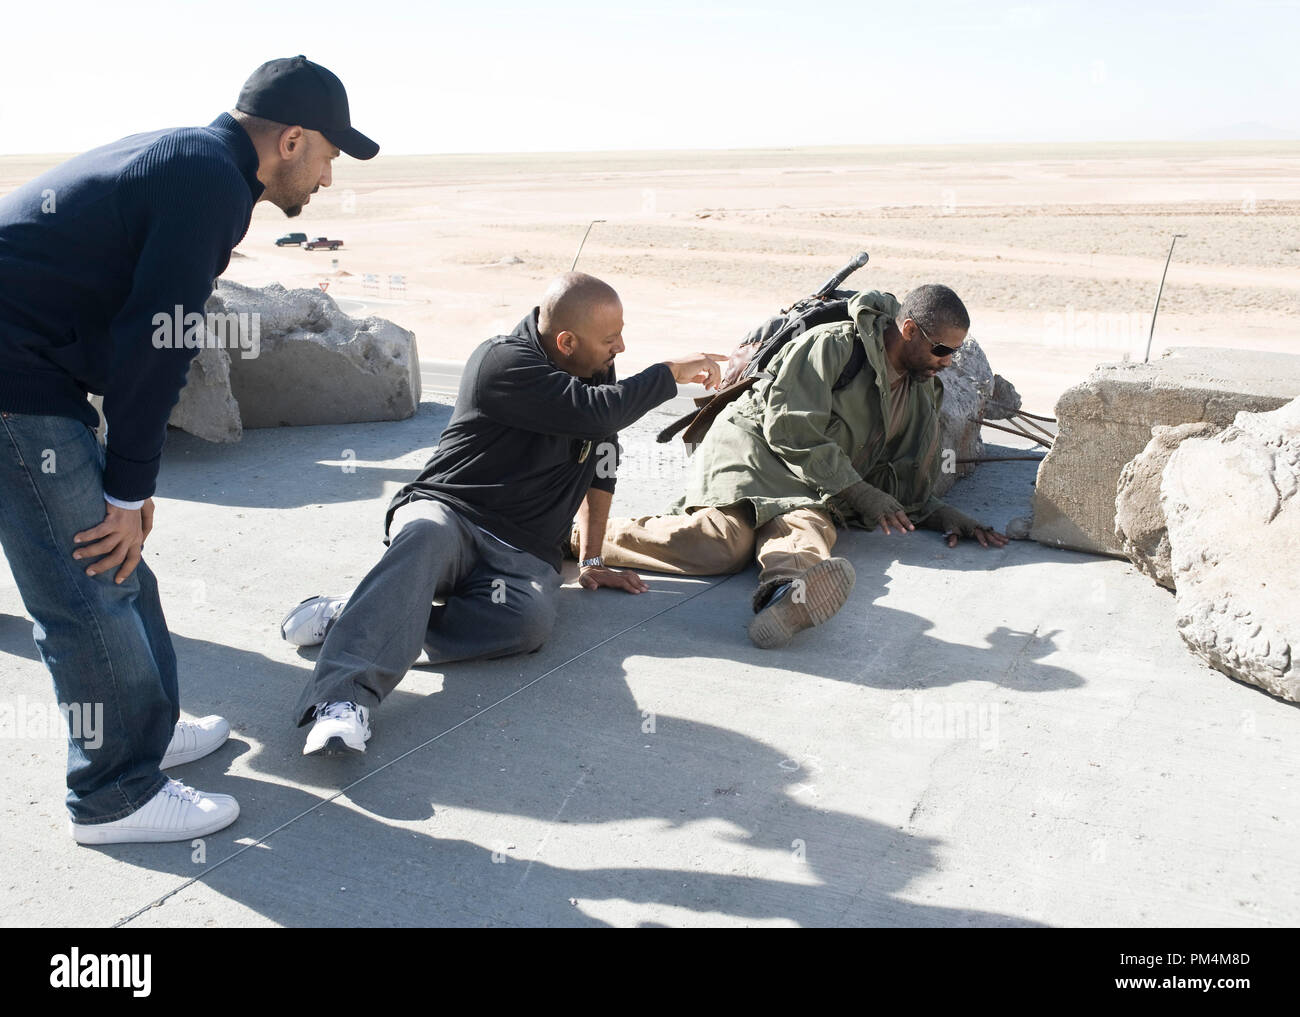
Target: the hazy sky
(491, 76)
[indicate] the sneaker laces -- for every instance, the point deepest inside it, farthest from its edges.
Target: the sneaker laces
(337, 711)
(326, 618)
(179, 790)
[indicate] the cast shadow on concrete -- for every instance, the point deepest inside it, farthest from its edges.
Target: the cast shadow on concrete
(896, 650)
(570, 750)
(871, 643)
(289, 467)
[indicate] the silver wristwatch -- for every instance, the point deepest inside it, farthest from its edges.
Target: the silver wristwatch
(592, 563)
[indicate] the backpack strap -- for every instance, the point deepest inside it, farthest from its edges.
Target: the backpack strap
(706, 414)
(801, 318)
(766, 340)
(857, 360)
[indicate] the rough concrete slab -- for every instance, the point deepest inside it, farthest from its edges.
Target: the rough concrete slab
(207, 409)
(1105, 421)
(1139, 516)
(1234, 536)
(292, 358)
(967, 388)
(979, 738)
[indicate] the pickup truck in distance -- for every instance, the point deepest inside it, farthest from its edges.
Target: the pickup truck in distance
(291, 240)
(322, 244)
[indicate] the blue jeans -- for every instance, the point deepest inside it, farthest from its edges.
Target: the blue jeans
(106, 645)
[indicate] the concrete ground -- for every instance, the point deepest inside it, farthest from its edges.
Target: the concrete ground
(1014, 737)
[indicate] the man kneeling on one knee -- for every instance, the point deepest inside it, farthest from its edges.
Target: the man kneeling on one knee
(484, 525)
(796, 454)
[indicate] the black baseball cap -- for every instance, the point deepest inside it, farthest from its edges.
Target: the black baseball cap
(295, 91)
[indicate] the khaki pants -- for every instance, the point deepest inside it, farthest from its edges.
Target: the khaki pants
(712, 541)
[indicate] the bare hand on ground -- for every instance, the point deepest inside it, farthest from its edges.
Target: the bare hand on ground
(593, 578)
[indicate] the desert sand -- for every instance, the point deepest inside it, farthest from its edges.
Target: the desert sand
(1057, 250)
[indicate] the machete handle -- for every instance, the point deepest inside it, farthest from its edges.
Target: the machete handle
(833, 283)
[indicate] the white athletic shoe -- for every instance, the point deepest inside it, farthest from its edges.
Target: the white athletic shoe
(340, 728)
(176, 812)
(194, 739)
(308, 623)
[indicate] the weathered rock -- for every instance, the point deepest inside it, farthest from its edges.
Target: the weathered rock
(1233, 515)
(1139, 517)
(1019, 527)
(291, 357)
(1107, 420)
(967, 386)
(206, 408)
(1004, 402)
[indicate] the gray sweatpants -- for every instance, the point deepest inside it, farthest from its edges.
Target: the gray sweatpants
(499, 601)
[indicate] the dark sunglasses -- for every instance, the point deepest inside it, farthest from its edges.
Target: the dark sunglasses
(938, 349)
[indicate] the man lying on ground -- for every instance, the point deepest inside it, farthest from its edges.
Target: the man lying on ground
(792, 457)
(484, 525)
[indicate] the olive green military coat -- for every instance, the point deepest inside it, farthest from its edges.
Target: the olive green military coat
(791, 442)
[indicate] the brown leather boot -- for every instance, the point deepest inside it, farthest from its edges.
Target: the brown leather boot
(811, 599)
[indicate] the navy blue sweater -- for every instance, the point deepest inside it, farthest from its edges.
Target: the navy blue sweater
(528, 440)
(90, 252)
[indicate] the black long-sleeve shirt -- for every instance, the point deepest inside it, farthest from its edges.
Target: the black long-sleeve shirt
(528, 440)
(94, 254)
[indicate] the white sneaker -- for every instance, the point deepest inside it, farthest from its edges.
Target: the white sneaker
(176, 812)
(308, 623)
(340, 728)
(194, 739)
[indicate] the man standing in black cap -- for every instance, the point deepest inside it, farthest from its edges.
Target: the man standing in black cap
(101, 256)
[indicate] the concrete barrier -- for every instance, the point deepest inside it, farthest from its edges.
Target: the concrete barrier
(1107, 420)
(1232, 504)
(291, 357)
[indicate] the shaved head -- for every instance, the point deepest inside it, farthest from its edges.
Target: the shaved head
(580, 324)
(569, 301)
